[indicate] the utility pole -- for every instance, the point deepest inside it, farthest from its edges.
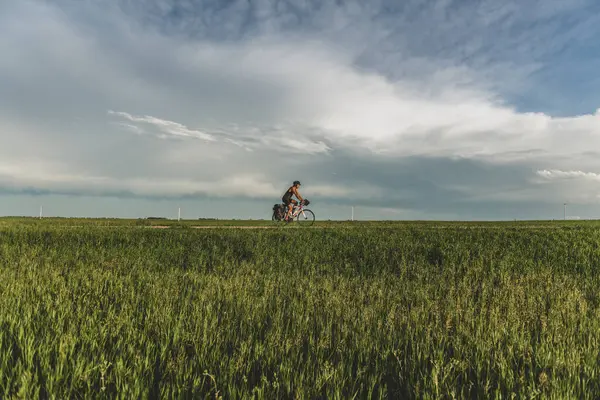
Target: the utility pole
(352, 213)
(179, 214)
(565, 210)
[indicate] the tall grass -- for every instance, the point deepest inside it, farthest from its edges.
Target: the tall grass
(407, 311)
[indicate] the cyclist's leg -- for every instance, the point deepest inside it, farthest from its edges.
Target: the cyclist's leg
(286, 200)
(291, 207)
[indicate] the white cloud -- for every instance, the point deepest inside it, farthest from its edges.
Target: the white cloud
(566, 175)
(573, 186)
(58, 178)
(252, 137)
(168, 128)
(322, 92)
(62, 182)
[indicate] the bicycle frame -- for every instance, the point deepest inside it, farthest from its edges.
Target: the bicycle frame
(297, 210)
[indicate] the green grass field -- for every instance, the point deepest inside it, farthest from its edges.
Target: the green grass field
(116, 309)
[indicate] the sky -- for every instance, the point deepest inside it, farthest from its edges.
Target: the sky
(429, 109)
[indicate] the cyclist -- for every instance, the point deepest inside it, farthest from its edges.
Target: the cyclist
(287, 198)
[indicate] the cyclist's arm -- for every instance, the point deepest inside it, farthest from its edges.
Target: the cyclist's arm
(298, 195)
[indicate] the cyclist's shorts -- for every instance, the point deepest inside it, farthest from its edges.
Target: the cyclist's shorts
(287, 199)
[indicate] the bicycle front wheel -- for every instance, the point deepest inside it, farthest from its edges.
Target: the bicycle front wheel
(306, 217)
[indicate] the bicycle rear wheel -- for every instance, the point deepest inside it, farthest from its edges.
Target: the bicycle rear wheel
(306, 217)
(277, 220)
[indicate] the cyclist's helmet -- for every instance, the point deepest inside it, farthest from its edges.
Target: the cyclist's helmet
(296, 183)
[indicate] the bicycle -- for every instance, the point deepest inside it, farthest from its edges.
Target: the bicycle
(301, 214)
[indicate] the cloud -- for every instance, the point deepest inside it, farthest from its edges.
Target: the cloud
(251, 137)
(357, 100)
(73, 183)
(572, 186)
(167, 128)
(557, 174)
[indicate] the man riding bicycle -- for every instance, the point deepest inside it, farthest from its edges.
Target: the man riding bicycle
(287, 198)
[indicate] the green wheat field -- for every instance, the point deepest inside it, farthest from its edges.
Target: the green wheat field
(424, 310)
